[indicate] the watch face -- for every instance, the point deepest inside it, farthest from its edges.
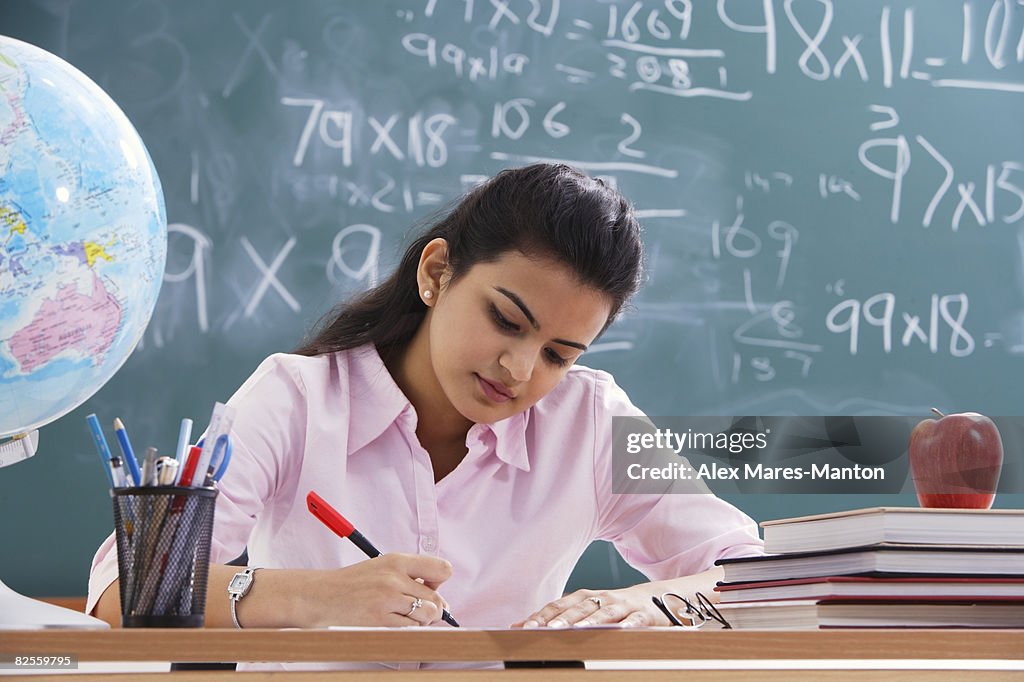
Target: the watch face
(239, 583)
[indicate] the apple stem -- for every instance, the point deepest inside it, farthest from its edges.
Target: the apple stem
(936, 411)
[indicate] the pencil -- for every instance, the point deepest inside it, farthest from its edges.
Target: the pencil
(126, 448)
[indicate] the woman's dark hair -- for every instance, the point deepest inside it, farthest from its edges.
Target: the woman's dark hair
(544, 210)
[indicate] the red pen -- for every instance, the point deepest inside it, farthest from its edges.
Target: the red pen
(191, 462)
(333, 519)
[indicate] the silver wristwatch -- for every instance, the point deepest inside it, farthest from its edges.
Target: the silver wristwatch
(238, 588)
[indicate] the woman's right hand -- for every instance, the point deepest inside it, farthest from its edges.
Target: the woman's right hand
(377, 592)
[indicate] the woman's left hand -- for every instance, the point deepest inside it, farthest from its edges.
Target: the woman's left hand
(628, 607)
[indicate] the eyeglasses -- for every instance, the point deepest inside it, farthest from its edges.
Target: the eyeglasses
(698, 611)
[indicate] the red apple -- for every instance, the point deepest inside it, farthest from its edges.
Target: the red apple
(955, 460)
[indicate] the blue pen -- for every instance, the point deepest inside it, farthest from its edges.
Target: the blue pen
(126, 448)
(184, 435)
(101, 446)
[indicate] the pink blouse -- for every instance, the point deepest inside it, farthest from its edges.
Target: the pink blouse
(513, 518)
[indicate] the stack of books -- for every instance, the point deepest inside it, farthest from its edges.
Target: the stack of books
(883, 567)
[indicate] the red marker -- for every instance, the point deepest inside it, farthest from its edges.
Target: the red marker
(191, 462)
(333, 519)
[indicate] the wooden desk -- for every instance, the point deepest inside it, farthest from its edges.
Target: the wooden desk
(659, 644)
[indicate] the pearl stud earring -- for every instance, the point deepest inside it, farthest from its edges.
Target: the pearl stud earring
(428, 294)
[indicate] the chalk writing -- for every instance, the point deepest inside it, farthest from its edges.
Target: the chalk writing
(821, 184)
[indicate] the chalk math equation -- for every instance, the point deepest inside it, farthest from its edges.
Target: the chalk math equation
(832, 192)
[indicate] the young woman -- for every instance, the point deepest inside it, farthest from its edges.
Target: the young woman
(444, 414)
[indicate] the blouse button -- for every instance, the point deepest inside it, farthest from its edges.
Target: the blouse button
(428, 543)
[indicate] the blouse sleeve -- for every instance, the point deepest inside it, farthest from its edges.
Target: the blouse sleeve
(664, 535)
(268, 437)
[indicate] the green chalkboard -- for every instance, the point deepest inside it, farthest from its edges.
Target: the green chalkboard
(832, 193)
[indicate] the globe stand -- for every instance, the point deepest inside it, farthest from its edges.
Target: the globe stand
(20, 612)
(19, 447)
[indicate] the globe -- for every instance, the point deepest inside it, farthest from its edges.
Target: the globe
(83, 237)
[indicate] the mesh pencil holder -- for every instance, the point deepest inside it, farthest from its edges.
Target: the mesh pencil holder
(163, 554)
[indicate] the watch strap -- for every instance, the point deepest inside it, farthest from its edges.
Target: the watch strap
(235, 597)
